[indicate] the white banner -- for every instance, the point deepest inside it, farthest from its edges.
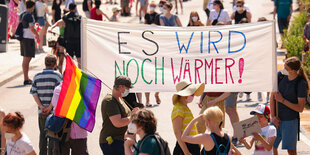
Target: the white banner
(235, 58)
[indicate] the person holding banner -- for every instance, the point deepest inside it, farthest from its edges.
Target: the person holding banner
(168, 19)
(194, 19)
(241, 12)
(218, 14)
(287, 103)
(182, 115)
(115, 115)
(213, 118)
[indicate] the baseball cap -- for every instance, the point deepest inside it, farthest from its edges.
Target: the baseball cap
(123, 80)
(116, 8)
(261, 109)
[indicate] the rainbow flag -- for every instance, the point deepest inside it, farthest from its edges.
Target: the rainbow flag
(78, 96)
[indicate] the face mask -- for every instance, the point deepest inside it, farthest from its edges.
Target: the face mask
(164, 11)
(239, 8)
(284, 71)
(190, 99)
(194, 18)
(57, 1)
(132, 128)
(161, 9)
(152, 8)
(9, 135)
(125, 93)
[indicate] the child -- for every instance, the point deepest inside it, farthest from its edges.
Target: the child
(115, 11)
(264, 140)
(213, 117)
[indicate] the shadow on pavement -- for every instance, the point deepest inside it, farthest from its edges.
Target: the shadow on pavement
(18, 86)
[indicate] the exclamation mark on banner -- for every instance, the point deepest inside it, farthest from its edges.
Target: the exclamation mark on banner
(241, 67)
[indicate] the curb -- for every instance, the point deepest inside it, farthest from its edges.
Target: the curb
(17, 72)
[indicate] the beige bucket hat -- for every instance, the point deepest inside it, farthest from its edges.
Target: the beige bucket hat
(186, 88)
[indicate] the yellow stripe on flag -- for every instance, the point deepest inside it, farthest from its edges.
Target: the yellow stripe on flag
(77, 96)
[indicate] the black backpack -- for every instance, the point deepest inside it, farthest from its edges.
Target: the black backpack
(220, 149)
(19, 34)
(164, 148)
(73, 26)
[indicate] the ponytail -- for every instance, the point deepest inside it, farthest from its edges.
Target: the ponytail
(304, 75)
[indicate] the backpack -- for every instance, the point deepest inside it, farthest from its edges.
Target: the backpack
(164, 148)
(19, 34)
(220, 151)
(58, 128)
(73, 26)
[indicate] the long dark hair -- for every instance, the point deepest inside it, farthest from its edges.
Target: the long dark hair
(97, 3)
(295, 64)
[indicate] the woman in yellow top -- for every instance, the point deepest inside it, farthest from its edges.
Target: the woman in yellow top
(181, 116)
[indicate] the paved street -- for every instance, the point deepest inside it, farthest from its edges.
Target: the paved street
(15, 97)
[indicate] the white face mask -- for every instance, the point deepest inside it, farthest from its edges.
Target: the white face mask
(190, 99)
(165, 11)
(152, 8)
(161, 9)
(9, 135)
(57, 1)
(284, 71)
(132, 128)
(239, 8)
(125, 93)
(194, 18)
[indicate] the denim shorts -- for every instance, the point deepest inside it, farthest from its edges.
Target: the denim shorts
(287, 132)
(41, 21)
(116, 148)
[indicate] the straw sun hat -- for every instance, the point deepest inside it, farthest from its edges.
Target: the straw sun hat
(186, 88)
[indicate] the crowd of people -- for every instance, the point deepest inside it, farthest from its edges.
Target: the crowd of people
(123, 115)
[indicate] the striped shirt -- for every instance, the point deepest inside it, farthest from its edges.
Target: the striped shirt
(184, 112)
(44, 84)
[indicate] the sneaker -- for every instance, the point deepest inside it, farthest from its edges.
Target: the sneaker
(27, 82)
(259, 97)
(248, 97)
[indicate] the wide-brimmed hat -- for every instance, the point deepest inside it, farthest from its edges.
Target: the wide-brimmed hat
(186, 88)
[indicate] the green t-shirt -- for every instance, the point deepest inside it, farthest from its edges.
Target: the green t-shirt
(110, 107)
(284, 8)
(149, 146)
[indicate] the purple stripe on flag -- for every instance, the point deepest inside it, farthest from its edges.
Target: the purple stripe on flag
(90, 124)
(94, 97)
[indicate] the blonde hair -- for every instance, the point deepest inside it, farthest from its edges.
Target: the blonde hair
(214, 114)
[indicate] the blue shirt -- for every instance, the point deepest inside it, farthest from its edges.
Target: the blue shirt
(288, 89)
(169, 22)
(44, 84)
(149, 146)
(283, 8)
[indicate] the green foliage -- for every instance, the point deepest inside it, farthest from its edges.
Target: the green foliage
(292, 40)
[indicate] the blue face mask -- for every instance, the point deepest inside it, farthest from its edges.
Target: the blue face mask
(125, 93)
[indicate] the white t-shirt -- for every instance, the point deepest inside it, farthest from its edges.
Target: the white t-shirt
(224, 16)
(267, 132)
(21, 147)
(40, 8)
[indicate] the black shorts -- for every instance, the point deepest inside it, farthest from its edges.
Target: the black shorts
(73, 48)
(283, 24)
(61, 41)
(192, 148)
(27, 47)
